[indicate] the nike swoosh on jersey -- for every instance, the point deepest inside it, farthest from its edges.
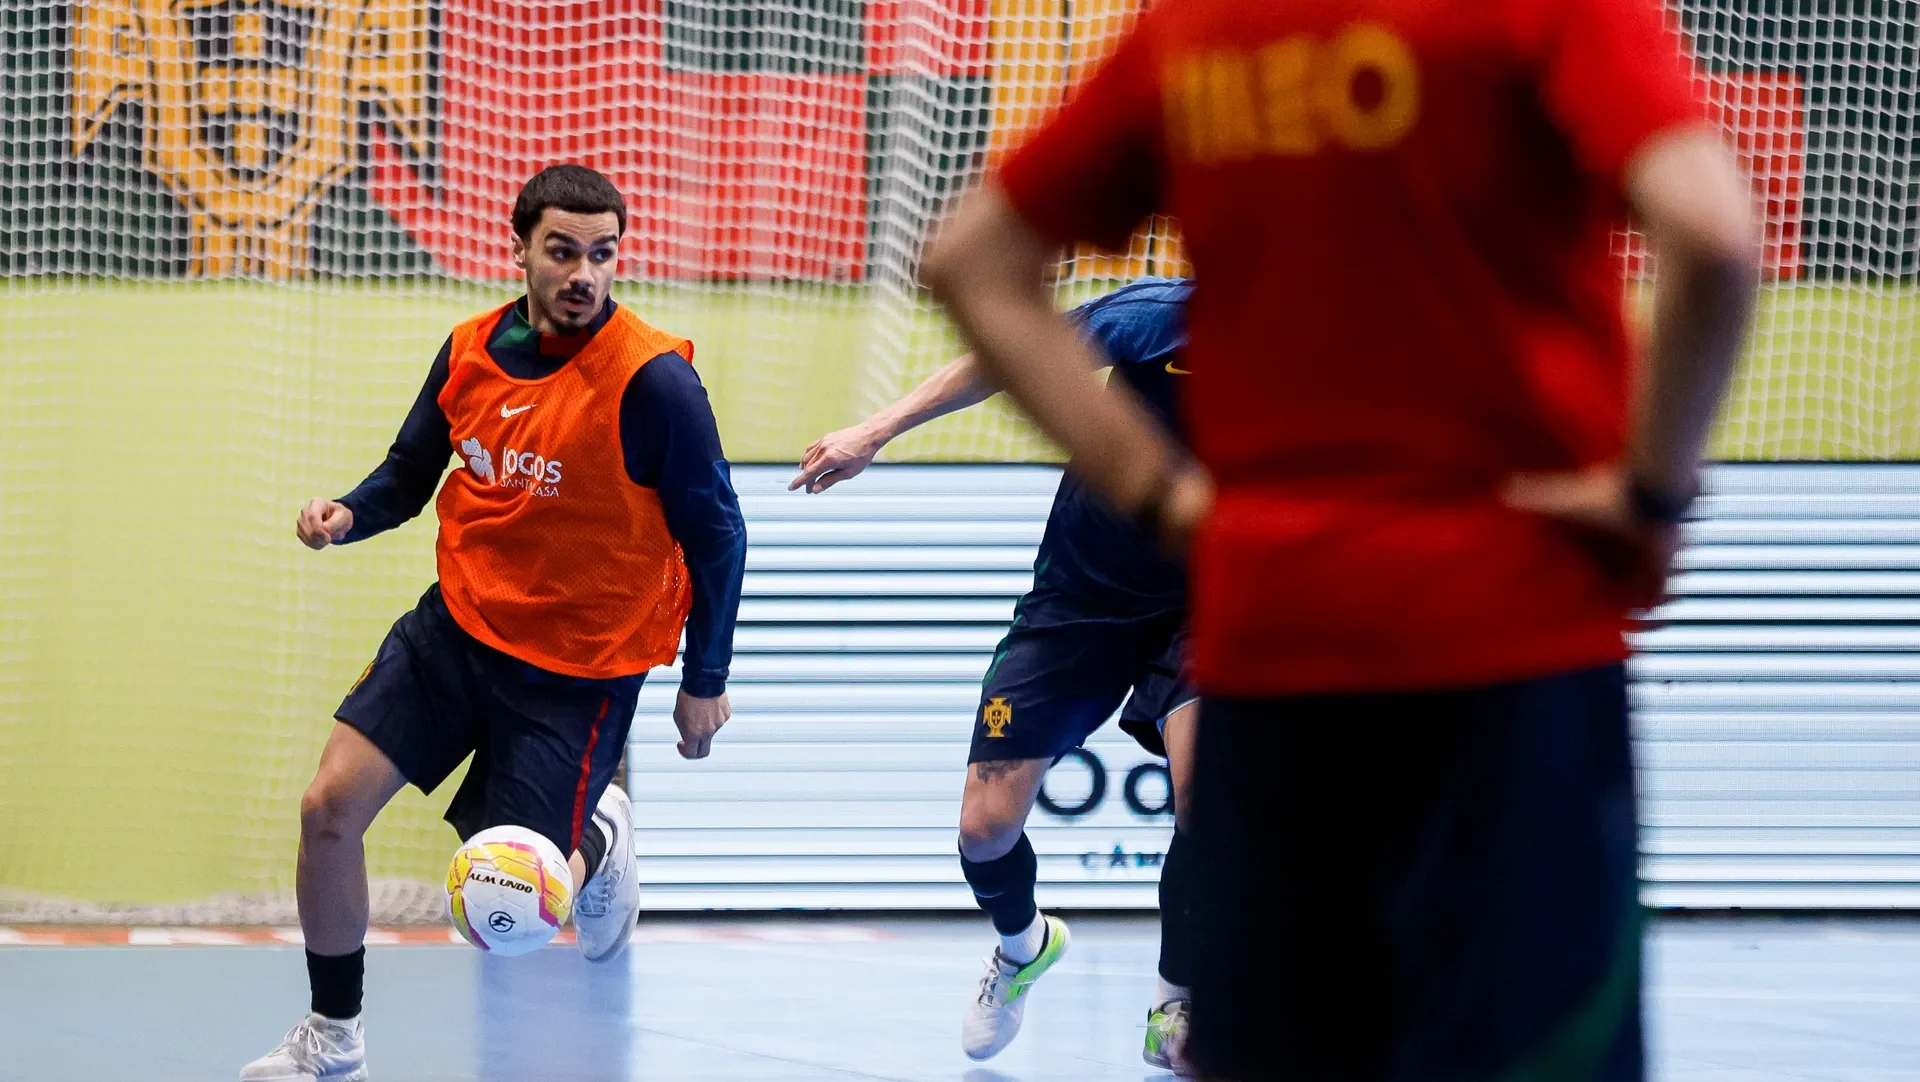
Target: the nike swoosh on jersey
(505, 412)
(1176, 371)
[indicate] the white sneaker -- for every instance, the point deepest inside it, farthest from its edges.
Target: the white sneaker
(1166, 1046)
(993, 1018)
(608, 906)
(317, 1048)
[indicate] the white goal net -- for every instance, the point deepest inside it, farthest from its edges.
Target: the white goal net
(234, 232)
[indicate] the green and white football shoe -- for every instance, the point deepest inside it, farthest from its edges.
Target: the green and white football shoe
(993, 1018)
(1166, 1046)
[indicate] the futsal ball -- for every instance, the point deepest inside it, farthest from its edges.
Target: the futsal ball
(509, 890)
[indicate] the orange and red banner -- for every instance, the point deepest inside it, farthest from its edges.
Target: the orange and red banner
(753, 141)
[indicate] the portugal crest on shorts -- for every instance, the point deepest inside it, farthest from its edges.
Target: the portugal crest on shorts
(996, 715)
(251, 108)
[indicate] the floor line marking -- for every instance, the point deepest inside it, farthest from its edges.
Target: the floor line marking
(419, 935)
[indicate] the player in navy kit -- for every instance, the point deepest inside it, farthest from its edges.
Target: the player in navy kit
(1104, 623)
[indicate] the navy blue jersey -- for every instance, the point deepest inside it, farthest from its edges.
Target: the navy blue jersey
(1088, 549)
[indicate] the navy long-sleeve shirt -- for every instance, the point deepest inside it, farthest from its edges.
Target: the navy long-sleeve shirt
(669, 442)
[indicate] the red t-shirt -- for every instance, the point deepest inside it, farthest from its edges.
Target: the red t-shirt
(1399, 215)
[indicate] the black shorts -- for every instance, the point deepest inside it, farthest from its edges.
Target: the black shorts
(544, 746)
(1066, 664)
(1434, 887)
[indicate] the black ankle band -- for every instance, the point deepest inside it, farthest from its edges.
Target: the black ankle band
(338, 983)
(1176, 912)
(1004, 887)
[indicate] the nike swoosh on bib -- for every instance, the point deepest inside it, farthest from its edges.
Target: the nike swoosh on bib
(505, 412)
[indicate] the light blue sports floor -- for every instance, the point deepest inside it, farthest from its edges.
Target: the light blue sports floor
(818, 999)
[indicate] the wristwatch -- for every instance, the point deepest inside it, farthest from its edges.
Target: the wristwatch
(1656, 508)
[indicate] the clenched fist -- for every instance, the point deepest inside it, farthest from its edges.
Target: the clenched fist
(698, 719)
(322, 523)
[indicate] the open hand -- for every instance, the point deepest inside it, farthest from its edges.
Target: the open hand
(698, 719)
(835, 457)
(322, 523)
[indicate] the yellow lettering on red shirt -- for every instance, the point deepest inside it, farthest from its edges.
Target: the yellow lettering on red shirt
(1296, 97)
(1178, 93)
(1230, 106)
(1286, 71)
(1368, 51)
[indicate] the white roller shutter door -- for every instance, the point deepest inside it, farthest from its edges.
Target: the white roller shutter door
(1778, 704)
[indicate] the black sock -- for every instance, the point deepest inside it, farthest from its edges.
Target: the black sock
(1176, 912)
(1004, 887)
(338, 981)
(593, 847)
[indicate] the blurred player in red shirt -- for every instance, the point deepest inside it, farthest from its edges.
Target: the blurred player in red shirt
(1432, 484)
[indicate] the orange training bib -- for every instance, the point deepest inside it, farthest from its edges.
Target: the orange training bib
(548, 551)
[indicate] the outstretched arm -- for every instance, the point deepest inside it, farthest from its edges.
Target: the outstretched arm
(398, 488)
(837, 456)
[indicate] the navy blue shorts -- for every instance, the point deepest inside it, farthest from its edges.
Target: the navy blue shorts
(1066, 664)
(1433, 887)
(544, 746)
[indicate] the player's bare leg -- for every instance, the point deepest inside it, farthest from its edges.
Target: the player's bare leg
(994, 806)
(1172, 1001)
(1000, 866)
(354, 782)
(1181, 727)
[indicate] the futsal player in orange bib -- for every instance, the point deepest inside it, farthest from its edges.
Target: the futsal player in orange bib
(590, 517)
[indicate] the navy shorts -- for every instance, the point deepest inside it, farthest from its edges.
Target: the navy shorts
(1066, 664)
(1432, 887)
(544, 746)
